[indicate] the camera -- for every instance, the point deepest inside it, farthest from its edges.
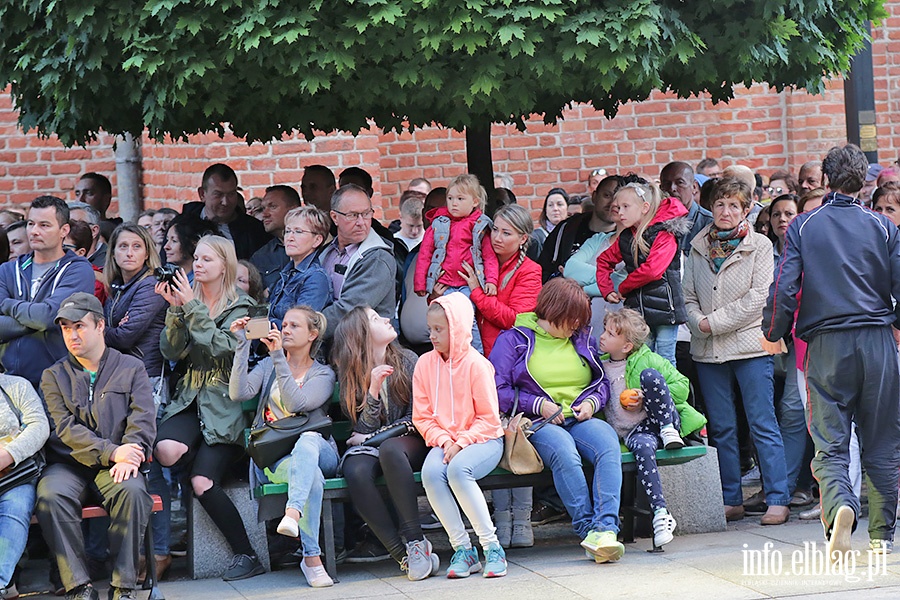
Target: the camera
(258, 325)
(166, 273)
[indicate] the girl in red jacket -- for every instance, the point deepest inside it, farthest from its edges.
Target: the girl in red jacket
(648, 243)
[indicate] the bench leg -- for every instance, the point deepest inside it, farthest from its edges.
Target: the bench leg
(150, 582)
(328, 538)
(628, 499)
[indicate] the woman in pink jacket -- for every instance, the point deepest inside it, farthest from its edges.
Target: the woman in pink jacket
(455, 409)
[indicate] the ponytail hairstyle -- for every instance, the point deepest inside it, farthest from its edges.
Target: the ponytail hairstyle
(351, 356)
(520, 219)
(649, 194)
(224, 249)
(315, 321)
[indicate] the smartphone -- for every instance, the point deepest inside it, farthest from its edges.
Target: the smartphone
(258, 326)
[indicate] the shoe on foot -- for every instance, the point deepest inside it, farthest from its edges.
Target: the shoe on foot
(522, 533)
(756, 504)
(121, 594)
(663, 527)
(503, 523)
(494, 561)
(801, 498)
(429, 521)
(317, 576)
(368, 551)
(9, 592)
(464, 563)
(813, 514)
(734, 513)
(839, 540)
(603, 546)
(83, 592)
(419, 560)
(243, 566)
(289, 527)
(544, 513)
(776, 515)
(875, 547)
(670, 438)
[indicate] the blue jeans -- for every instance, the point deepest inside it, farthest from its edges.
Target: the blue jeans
(310, 462)
(157, 484)
(15, 516)
(562, 447)
(663, 339)
(458, 481)
(754, 376)
(792, 422)
(512, 499)
(476, 334)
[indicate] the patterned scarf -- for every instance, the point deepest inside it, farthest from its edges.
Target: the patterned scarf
(723, 243)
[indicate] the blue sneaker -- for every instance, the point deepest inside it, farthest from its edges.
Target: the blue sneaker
(464, 563)
(494, 561)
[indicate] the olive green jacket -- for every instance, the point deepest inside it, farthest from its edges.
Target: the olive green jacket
(205, 347)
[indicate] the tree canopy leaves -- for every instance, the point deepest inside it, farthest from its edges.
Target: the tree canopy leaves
(272, 67)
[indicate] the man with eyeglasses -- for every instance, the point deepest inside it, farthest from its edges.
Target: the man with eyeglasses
(33, 286)
(271, 258)
(219, 199)
(359, 262)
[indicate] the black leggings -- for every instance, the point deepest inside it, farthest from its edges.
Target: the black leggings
(398, 458)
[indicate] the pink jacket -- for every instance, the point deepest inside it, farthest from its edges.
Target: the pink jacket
(459, 250)
(456, 399)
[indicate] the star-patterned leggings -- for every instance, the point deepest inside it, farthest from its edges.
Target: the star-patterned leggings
(644, 439)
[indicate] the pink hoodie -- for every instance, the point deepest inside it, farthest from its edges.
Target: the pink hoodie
(456, 399)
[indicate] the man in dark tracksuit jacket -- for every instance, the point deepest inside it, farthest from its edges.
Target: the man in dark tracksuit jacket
(103, 423)
(846, 259)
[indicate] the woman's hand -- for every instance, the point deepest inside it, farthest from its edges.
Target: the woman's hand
(356, 438)
(585, 411)
(548, 409)
(614, 298)
(376, 380)
(182, 289)
(468, 273)
(273, 339)
(165, 290)
(703, 325)
(239, 327)
(451, 449)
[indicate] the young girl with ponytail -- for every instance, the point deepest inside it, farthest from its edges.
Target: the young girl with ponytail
(652, 228)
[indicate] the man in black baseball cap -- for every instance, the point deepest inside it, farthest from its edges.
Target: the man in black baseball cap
(102, 428)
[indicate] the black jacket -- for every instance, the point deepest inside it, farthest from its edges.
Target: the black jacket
(248, 234)
(564, 241)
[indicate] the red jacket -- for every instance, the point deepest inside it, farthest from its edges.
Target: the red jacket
(498, 313)
(459, 250)
(661, 254)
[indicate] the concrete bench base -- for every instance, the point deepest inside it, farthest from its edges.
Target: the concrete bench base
(694, 494)
(208, 552)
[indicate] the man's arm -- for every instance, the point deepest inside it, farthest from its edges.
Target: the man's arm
(369, 285)
(140, 425)
(778, 315)
(10, 329)
(78, 276)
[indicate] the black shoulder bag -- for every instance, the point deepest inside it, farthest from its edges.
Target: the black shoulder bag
(27, 470)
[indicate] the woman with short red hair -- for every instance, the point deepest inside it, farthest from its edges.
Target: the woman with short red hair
(548, 367)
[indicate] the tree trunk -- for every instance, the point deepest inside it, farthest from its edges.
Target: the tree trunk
(128, 176)
(480, 162)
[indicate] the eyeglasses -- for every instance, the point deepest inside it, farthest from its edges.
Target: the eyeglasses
(353, 216)
(598, 173)
(288, 232)
(776, 191)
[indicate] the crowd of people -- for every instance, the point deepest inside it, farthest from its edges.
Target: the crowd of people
(643, 314)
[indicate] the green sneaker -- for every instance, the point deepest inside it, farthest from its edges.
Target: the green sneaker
(603, 546)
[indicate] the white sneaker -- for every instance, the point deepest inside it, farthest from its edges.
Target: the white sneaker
(839, 542)
(289, 527)
(663, 527)
(316, 577)
(670, 438)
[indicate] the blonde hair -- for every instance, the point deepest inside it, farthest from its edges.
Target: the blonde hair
(630, 324)
(519, 219)
(315, 321)
(318, 221)
(224, 249)
(644, 193)
(469, 184)
(112, 272)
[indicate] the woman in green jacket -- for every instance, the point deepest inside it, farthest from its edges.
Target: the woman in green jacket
(202, 428)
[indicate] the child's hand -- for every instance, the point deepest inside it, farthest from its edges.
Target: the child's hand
(635, 406)
(614, 298)
(421, 293)
(379, 374)
(451, 449)
(490, 289)
(585, 411)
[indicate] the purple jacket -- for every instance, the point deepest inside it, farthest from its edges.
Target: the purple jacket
(510, 359)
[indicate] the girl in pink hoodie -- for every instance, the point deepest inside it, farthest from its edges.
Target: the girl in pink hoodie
(455, 409)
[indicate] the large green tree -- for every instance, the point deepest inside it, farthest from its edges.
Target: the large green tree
(270, 67)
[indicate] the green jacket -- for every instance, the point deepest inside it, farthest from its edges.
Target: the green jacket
(206, 348)
(679, 386)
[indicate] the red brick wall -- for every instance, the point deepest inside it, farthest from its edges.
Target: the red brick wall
(759, 128)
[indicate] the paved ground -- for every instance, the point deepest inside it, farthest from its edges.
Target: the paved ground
(696, 566)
